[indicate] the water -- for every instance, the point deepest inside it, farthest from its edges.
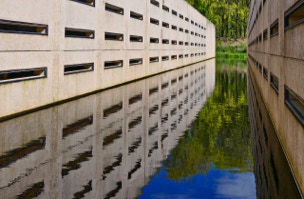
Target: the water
(181, 134)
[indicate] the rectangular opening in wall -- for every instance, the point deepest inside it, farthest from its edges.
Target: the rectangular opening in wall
(295, 15)
(265, 34)
(174, 27)
(165, 58)
(78, 68)
(187, 19)
(166, 25)
(181, 56)
(173, 57)
(192, 33)
(137, 61)
(181, 30)
(174, 42)
(154, 21)
(86, 2)
(265, 73)
(154, 40)
(192, 22)
(192, 55)
(154, 2)
(192, 44)
(23, 28)
(295, 104)
(186, 31)
(165, 41)
(181, 16)
(165, 8)
(154, 59)
(174, 12)
(114, 36)
(113, 109)
(114, 9)
(186, 43)
(274, 28)
(181, 43)
(113, 64)
(135, 15)
(79, 33)
(135, 99)
(136, 38)
(186, 55)
(274, 82)
(77, 126)
(22, 75)
(153, 90)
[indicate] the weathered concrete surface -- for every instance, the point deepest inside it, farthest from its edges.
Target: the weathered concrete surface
(54, 50)
(280, 55)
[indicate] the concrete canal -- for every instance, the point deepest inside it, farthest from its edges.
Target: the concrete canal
(187, 133)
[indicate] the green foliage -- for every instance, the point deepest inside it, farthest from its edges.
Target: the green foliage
(220, 136)
(229, 16)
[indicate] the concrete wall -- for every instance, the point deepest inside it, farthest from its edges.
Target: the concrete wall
(53, 49)
(92, 147)
(280, 55)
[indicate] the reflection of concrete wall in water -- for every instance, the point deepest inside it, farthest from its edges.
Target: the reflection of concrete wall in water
(277, 64)
(105, 145)
(73, 47)
(272, 172)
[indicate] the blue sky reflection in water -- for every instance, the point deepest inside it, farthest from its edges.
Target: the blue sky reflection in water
(214, 157)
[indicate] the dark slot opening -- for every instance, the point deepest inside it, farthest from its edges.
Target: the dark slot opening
(295, 104)
(154, 147)
(153, 2)
(192, 33)
(87, 2)
(134, 145)
(164, 85)
(114, 36)
(113, 109)
(79, 33)
(180, 78)
(86, 189)
(192, 55)
(187, 19)
(173, 81)
(76, 126)
(110, 168)
(274, 28)
(113, 64)
(165, 58)
(75, 164)
(173, 57)
(153, 110)
(133, 62)
(181, 29)
(186, 55)
(78, 68)
(115, 9)
(33, 192)
(18, 153)
(154, 21)
(174, 27)
(174, 12)
(265, 34)
(136, 38)
(192, 44)
(136, 15)
(181, 16)
(181, 56)
(165, 41)
(135, 99)
(136, 167)
(113, 193)
(22, 75)
(265, 73)
(154, 59)
(165, 8)
(164, 136)
(187, 44)
(174, 42)
(192, 22)
(110, 138)
(154, 40)
(166, 25)
(23, 27)
(196, 24)
(186, 31)
(274, 81)
(135, 122)
(181, 43)
(295, 15)
(153, 90)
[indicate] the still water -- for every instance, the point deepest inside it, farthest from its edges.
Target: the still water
(181, 134)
